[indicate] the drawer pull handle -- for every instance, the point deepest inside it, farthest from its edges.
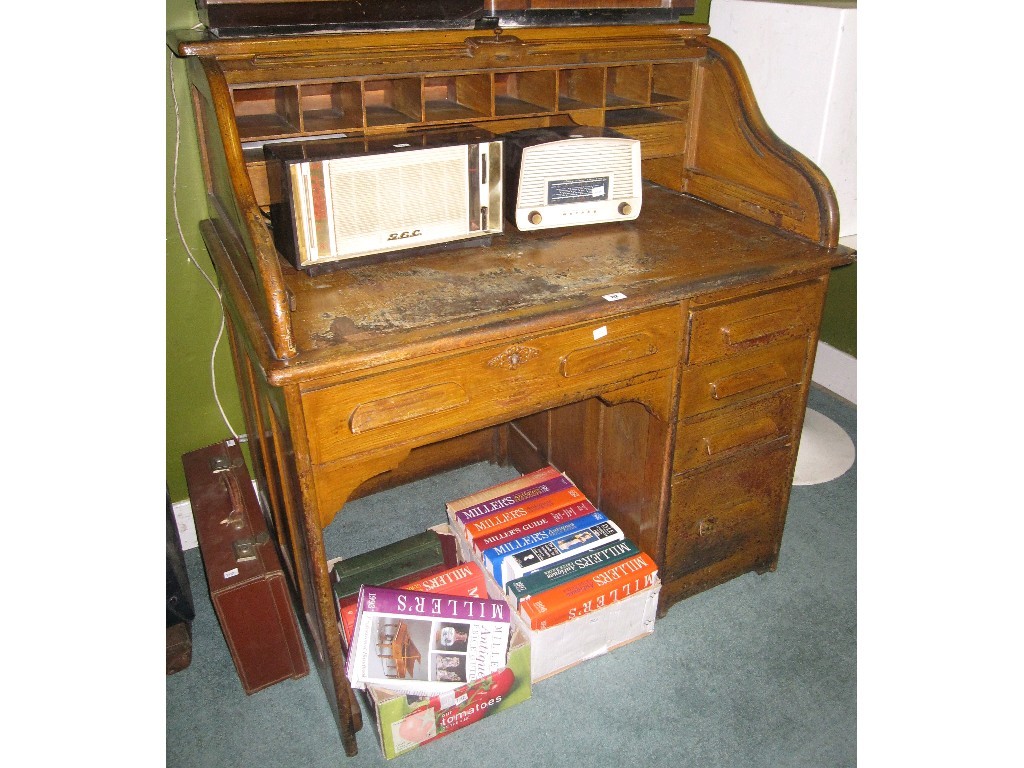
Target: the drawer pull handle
(761, 429)
(513, 357)
(748, 380)
(406, 406)
(754, 331)
(608, 355)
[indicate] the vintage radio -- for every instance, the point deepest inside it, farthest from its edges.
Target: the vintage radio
(568, 175)
(351, 200)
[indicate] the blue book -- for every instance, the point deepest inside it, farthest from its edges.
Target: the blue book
(513, 559)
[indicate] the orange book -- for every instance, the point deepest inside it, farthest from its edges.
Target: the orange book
(589, 593)
(466, 579)
(521, 513)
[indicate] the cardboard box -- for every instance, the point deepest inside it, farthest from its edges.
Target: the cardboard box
(404, 723)
(565, 645)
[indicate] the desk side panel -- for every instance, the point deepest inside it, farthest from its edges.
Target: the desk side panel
(735, 160)
(235, 214)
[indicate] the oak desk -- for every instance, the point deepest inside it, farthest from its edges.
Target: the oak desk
(662, 363)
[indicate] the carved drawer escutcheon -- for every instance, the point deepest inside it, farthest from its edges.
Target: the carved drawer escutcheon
(513, 357)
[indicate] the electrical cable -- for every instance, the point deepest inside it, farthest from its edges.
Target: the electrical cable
(188, 250)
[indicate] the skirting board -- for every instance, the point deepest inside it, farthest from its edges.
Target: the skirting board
(836, 371)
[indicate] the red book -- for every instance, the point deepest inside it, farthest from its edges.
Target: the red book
(533, 525)
(464, 580)
(589, 593)
(521, 513)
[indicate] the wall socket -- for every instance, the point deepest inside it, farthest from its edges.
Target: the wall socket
(186, 524)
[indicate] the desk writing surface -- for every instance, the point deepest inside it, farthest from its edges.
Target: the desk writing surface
(678, 247)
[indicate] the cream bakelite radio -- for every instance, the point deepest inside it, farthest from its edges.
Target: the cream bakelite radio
(339, 202)
(570, 175)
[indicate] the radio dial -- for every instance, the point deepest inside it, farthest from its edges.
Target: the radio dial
(535, 218)
(625, 209)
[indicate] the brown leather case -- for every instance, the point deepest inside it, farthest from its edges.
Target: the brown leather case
(247, 584)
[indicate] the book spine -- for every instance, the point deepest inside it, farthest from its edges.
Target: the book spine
(546, 578)
(547, 520)
(389, 562)
(402, 602)
(467, 580)
(504, 503)
(493, 558)
(496, 491)
(523, 512)
(550, 552)
(589, 593)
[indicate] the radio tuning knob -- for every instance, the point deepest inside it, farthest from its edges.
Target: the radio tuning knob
(625, 209)
(535, 218)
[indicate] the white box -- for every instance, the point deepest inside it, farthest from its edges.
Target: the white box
(565, 645)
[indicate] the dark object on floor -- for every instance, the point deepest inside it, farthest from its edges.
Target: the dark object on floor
(243, 569)
(179, 647)
(180, 609)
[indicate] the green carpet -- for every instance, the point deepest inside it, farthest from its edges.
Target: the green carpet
(760, 672)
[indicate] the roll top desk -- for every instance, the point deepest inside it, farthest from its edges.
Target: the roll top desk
(663, 363)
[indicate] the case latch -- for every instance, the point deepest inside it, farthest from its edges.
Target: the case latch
(245, 549)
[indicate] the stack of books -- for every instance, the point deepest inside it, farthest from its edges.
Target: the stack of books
(424, 640)
(550, 550)
(426, 562)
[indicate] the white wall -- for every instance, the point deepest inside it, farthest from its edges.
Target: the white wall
(801, 58)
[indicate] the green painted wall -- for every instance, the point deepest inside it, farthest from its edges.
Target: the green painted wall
(839, 321)
(193, 310)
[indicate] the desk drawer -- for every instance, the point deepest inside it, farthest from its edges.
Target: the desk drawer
(742, 377)
(735, 430)
(440, 397)
(747, 324)
(728, 519)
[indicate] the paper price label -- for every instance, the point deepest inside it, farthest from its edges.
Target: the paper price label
(614, 296)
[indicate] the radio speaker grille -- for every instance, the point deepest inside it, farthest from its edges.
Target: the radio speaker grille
(570, 159)
(397, 193)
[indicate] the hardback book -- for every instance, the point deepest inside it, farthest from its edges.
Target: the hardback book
(500, 510)
(561, 515)
(494, 557)
(496, 491)
(568, 570)
(589, 593)
(421, 644)
(521, 513)
(466, 579)
(520, 563)
(425, 553)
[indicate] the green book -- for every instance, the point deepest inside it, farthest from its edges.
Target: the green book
(391, 562)
(587, 562)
